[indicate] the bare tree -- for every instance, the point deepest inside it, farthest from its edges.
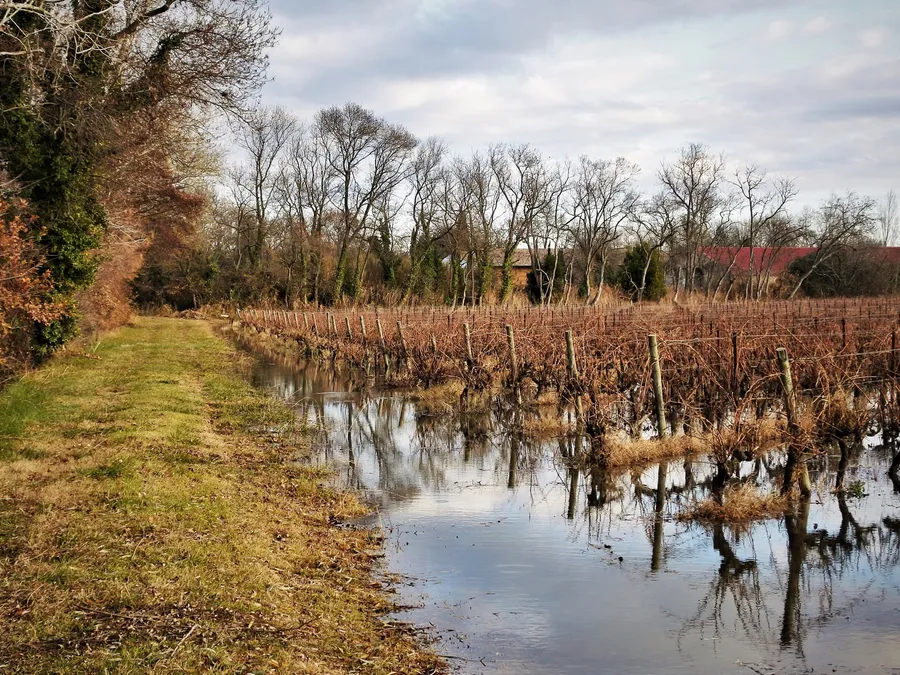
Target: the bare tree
(309, 188)
(603, 199)
(480, 184)
(551, 232)
(843, 222)
(888, 215)
(775, 235)
(524, 184)
(765, 201)
(429, 199)
(264, 136)
(370, 158)
(693, 184)
(654, 225)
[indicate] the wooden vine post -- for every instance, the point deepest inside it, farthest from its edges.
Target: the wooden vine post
(787, 386)
(384, 352)
(513, 363)
(790, 409)
(470, 359)
(572, 367)
(734, 362)
(403, 346)
(657, 386)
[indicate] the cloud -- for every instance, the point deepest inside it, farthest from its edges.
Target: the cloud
(638, 79)
(778, 30)
(872, 38)
(818, 26)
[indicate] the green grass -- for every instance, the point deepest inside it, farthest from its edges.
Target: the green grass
(145, 527)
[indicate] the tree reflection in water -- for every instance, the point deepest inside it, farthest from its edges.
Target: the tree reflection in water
(775, 582)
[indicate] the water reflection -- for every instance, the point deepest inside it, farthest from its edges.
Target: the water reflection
(547, 568)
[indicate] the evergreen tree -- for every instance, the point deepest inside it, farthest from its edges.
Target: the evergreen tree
(537, 293)
(632, 280)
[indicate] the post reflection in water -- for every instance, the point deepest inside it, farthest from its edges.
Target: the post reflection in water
(613, 582)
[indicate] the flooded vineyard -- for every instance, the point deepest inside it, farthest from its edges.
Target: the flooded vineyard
(519, 562)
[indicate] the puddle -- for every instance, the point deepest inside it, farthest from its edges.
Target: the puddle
(521, 565)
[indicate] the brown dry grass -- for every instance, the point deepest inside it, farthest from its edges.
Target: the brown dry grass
(741, 504)
(544, 427)
(628, 453)
(439, 399)
(153, 520)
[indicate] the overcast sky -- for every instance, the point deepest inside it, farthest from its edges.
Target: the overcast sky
(808, 88)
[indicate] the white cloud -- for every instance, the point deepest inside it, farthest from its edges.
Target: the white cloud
(818, 25)
(606, 78)
(872, 38)
(778, 30)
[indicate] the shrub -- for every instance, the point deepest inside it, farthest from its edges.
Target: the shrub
(27, 298)
(631, 275)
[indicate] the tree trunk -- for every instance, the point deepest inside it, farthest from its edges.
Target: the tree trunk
(506, 280)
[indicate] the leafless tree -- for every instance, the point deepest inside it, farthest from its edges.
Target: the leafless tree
(765, 201)
(552, 232)
(264, 136)
(431, 191)
(775, 235)
(654, 226)
(603, 199)
(842, 222)
(888, 216)
(524, 182)
(370, 158)
(309, 189)
(480, 184)
(694, 184)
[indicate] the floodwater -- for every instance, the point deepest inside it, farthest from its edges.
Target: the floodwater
(517, 564)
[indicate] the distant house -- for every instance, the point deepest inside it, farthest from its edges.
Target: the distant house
(767, 265)
(759, 259)
(521, 262)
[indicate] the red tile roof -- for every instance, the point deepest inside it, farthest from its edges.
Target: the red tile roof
(777, 260)
(764, 258)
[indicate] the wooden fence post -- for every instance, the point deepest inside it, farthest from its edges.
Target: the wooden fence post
(403, 346)
(384, 353)
(349, 330)
(657, 386)
(790, 407)
(513, 362)
(572, 366)
(469, 357)
(787, 386)
(893, 366)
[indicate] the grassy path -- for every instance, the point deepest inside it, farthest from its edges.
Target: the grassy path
(151, 520)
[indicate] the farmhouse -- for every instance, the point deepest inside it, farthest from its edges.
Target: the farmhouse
(766, 267)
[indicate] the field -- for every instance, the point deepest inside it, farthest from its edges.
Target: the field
(154, 519)
(718, 366)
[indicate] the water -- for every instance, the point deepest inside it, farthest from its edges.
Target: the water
(518, 564)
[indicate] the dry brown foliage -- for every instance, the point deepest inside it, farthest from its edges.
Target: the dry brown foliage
(743, 503)
(24, 288)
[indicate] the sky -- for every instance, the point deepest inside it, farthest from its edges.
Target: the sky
(803, 88)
